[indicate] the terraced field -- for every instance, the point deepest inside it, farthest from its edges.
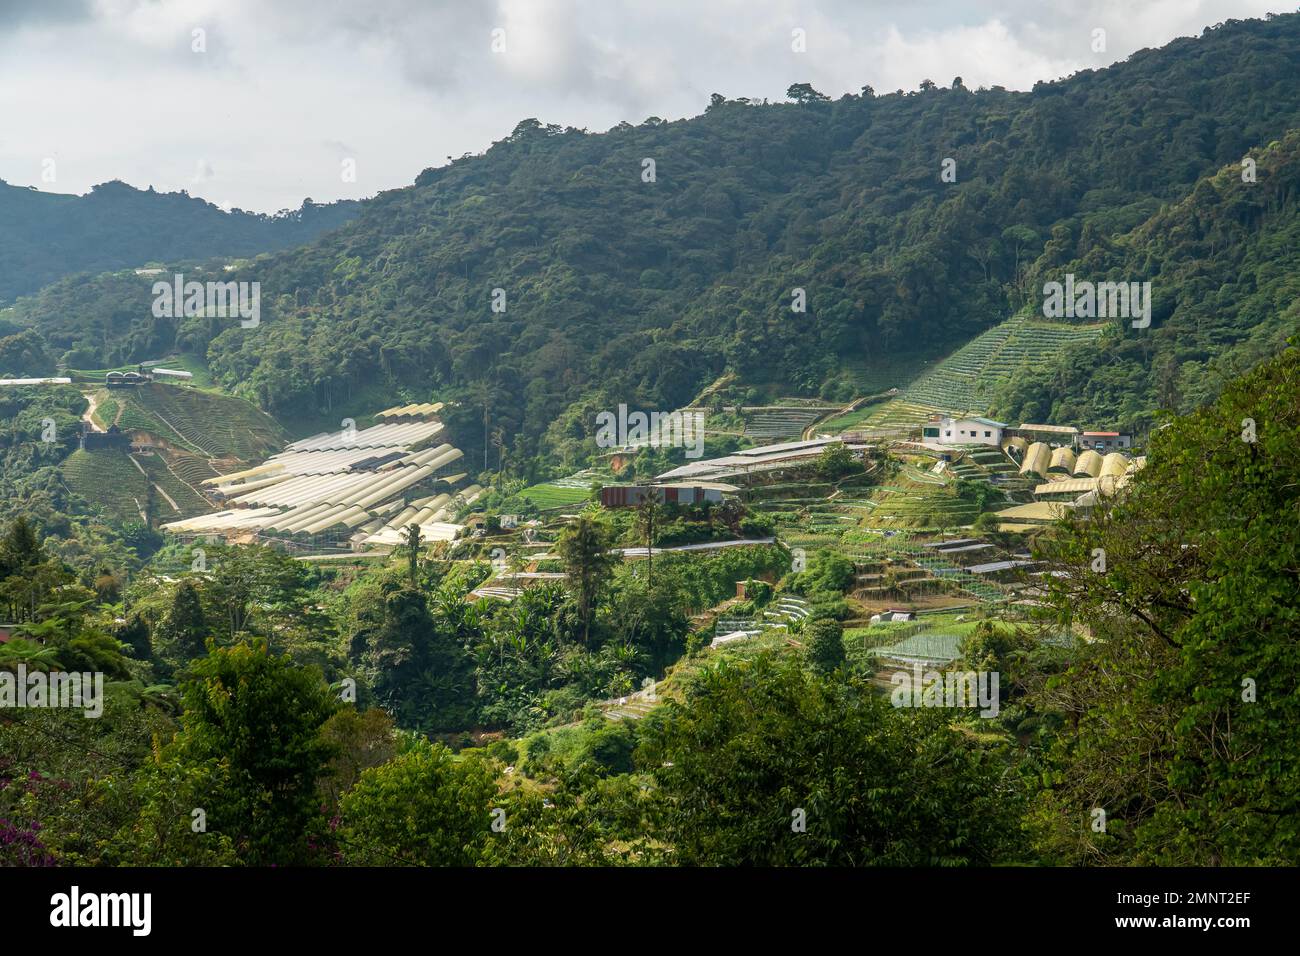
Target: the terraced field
(775, 423)
(994, 461)
(964, 382)
(210, 424)
(897, 413)
(930, 569)
(871, 377)
(551, 494)
(108, 480)
(192, 468)
(918, 500)
(851, 420)
(132, 417)
(188, 501)
(106, 408)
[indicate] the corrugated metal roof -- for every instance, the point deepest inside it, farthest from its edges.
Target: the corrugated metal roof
(395, 434)
(1071, 486)
(994, 566)
(1050, 429)
(1036, 511)
(266, 468)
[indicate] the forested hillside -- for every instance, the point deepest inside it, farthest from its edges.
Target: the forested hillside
(1224, 264)
(892, 642)
(45, 236)
(619, 286)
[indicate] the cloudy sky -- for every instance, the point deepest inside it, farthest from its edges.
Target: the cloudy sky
(259, 103)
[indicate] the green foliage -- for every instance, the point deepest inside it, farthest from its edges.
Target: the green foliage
(422, 808)
(758, 593)
(361, 740)
(766, 764)
(584, 547)
(44, 236)
(1224, 266)
(828, 575)
(416, 661)
(183, 630)
(836, 461)
(611, 746)
(1180, 704)
(824, 638)
(67, 784)
(253, 719)
(647, 293)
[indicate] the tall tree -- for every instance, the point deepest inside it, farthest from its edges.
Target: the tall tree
(413, 544)
(825, 645)
(256, 716)
(422, 808)
(584, 547)
(647, 515)
(1175, 710)
(21, 547)
(185, 627)
(768, 764)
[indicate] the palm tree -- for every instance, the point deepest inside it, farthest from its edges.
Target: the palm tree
(584, 549)
(647, 512)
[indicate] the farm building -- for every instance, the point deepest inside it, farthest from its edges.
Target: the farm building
(1061, 434)
(1116, 471)
(1066, 490)
(113, 438)
(1104, 441)
(176, 373)
(749, 460)
(629, 496)
(414, 412)
(1114, 465)
(35, 381)
(892, 614)
(1062, 462)
(1015, 446)
(964, 431)
(124, 379)
(342, 490)
(1039, 512)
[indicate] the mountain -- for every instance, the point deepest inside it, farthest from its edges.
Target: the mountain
(1224, 267)
(44, 236)
(640, 264)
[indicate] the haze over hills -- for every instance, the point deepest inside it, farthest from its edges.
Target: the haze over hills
(47, 235)
(623, 286)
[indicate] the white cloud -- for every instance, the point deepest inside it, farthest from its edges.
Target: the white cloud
(285, 91)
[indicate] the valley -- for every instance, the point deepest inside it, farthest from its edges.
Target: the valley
(738, 490)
